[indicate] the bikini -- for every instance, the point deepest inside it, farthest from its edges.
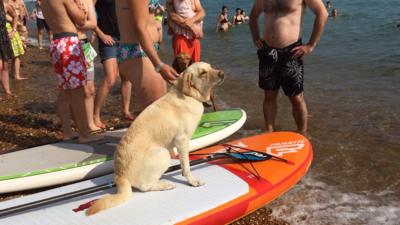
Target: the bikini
(237, 21)
(134, 50)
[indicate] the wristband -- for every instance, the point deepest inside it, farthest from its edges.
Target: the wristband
(159, 66)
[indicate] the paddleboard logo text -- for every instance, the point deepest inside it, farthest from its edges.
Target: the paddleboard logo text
(281, 148)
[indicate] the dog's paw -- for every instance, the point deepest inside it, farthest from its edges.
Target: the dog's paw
(196, 182)
(166, 185)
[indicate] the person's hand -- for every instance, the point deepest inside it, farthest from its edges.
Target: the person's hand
(168, 73)
(107, 39)
(258, 43)
(11, 34)
(302, 50)
(189, 23)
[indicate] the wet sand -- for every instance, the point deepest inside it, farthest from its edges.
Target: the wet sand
(29, 119)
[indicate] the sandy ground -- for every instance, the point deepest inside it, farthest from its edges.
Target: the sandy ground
(29, 119)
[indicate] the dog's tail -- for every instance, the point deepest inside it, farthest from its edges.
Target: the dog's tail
(124, 192)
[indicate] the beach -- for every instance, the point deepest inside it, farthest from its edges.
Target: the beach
(352, 82)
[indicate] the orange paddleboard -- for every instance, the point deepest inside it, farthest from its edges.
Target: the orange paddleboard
(231, 191)
(276, 177)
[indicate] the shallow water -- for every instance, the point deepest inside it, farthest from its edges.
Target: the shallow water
(352, 85)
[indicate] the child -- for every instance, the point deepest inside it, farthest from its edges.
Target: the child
(185, 21)
(69, 63)
(90, 55)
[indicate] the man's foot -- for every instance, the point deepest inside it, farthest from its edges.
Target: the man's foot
(129, 116)
(20, 78)
(9, 96)
(100, 124)
(40, 47)
(70, 136)
(90, 138)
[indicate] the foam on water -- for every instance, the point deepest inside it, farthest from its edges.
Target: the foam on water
(313, 202)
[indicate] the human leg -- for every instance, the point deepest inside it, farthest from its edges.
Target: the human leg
(110, 76)
(270, 108)
(300, 113)
(89, 104)
(16, 62)
(126, 91)
(147, 83)
(5, 79)
(76, 98)
(63, 112)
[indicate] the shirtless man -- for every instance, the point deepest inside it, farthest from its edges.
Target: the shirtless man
(280, 52)
(138, 57)
(69, 63)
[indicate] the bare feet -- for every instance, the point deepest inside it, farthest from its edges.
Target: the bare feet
(20, 78)
(100, 124)
(129, 116)
(70, 136)
(90, 138)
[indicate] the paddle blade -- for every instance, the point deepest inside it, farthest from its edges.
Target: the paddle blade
(249, 156)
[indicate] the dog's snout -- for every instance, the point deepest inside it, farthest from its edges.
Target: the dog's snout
(221, 74)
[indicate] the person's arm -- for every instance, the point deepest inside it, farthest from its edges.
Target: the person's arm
(77, 15)
(140, 15)
(253, 23)
(11, 11)
(172, 15)
(321, 15)
(200, 12)
(91, 22)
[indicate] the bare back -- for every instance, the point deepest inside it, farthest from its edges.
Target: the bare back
(57, 16)
(124, 15)
(283, 20)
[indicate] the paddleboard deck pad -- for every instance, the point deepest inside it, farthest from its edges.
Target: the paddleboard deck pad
(65, 162)
(231, 190)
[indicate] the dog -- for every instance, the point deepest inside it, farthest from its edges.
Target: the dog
(143, 154)
(183, 61)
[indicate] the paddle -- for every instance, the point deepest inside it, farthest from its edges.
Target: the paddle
(256, 156)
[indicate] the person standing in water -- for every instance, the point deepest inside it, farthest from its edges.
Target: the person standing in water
(281, 52)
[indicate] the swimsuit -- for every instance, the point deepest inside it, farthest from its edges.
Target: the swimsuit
(133, 50)
(278, 67)
(237, 21)
(68, 60)
(16, 42)
(90, 55)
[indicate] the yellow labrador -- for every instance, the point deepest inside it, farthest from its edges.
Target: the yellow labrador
(142, 156)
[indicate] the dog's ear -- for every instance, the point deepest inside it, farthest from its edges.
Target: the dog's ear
(186, 82)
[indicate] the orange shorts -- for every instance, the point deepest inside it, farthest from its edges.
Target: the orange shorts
(189, 46)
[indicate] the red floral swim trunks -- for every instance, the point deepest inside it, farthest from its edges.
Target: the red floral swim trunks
(69, 64)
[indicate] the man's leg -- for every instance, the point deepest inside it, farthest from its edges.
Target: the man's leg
(89, 103)
(63, 111)
(270, 108)
(299, 110)
(40, 38)
(5, 78)
(16, 62)
(110, 76)
(76, 98)
(126, 91)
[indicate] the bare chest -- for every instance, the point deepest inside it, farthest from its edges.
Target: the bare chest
(282, 6)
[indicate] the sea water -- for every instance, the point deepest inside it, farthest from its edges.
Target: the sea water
(352, 88)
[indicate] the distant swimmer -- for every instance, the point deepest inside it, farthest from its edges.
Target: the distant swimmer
(334, 13)
(238, 18)
(243, 13)
(223, 21)
(328, 5)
